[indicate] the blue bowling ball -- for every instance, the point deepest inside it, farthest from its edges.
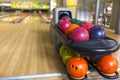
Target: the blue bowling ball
(96, 32)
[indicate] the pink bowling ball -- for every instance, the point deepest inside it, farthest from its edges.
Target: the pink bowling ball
(60, 22)
(79, 34)
(63, 26)
(88, 26)
(64, 18)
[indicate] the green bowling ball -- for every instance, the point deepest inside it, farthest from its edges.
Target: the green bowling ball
(75, 21)
(62, 49)
(66, 58)
(68, 54)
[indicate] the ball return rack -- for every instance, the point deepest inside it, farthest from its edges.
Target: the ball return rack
(91, 48)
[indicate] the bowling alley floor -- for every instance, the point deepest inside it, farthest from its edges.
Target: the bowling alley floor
(27, 49)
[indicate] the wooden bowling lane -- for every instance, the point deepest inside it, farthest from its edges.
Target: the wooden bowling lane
(3, 13)
(27, 49)
(32, 19)
(10, 17)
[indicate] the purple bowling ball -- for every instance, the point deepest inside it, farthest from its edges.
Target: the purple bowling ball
(63, 26)
(82, 23)
(96, 32)
(79, 34)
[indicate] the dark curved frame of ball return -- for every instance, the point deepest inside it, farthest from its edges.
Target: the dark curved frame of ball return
(97, 48)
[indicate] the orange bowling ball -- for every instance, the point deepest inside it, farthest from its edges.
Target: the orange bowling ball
(70, 28)
(77, 67)
(108, 64)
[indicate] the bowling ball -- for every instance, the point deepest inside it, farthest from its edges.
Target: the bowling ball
(82, 23)
(96, 32)
(64, 25)
(67, 18)
(66, 58)
(88, 26)
(62, 49)
(70, 28)
(68, 54)
(77, 67)
(75, 21)
(108, 64)
(79, 34)
(58, 45)
(64, 18)
(60, 22)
